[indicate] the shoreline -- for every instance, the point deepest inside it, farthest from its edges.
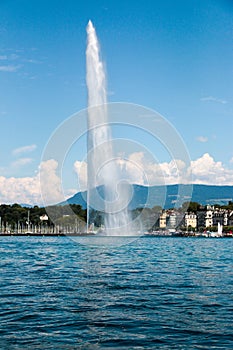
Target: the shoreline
(46, 234)
(84, 234)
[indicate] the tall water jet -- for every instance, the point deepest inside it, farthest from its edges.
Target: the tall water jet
(102, 172)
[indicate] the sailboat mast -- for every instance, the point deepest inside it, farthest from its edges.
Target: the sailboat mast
(28, 219)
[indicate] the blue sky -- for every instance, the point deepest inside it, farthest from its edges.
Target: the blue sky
(171, 56)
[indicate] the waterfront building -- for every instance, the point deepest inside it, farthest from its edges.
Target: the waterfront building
(220, 216)
(172, 222)
(209, 216)
(163, 220)
(171, 219)
(190, 220)
(212, 216)
(230, 219)
(44, 217)
(201, 218)
(206, 217)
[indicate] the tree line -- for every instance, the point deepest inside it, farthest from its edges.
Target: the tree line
(16, 215)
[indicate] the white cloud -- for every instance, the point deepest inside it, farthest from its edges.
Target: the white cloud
(13, 60)
(15, 166)
(21, 162)
(50, 182)
(32, 61)
(206, 170)
(136, 169)
(150, 173)
(13, 56)
(81, 170)
(213, 99)
(24, 149)
(19, 190)
(202, 139)
(10, 68)
(43, 189)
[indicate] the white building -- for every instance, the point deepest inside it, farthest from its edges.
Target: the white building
(44, 217)
(163, 220)
(190, 220)
(209, 216)
(212, 216)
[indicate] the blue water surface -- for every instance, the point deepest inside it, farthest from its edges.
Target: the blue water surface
(153, 293)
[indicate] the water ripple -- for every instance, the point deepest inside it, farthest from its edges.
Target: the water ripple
(152, 294)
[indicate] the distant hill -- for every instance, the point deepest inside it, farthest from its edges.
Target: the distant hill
(168, 196)
(26, 205)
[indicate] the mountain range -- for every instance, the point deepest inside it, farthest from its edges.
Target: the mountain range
(167, 196)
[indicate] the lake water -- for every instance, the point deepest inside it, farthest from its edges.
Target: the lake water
(154, 293)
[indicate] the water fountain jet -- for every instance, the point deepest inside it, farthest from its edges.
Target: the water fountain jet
(101, 165)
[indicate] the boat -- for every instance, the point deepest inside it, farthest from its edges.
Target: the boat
(217, 234)
(28, 232)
